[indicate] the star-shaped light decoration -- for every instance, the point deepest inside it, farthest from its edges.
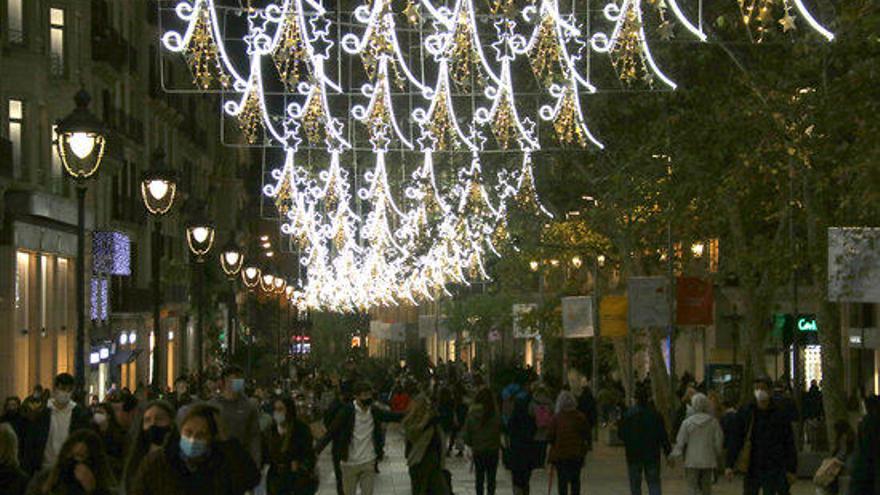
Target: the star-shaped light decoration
(665, 30)
(413, 16)
(787, 22)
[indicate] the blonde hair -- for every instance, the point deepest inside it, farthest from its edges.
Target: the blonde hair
(8, 446)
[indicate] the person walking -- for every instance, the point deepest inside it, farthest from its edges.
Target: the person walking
(569, 438)
(644, 438)
(46, 434)
(81, 466)
(700, 442)
(13, 481)
(112, 435)
(289, 452)
(521, 453)
(482, 433)
(762, 445)
(424, 449)
(358, 439)
(865, 473)
(151, 430)
(542, 409)
(240, 417)
(197, 460)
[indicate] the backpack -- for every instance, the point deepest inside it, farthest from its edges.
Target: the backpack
(543, 416)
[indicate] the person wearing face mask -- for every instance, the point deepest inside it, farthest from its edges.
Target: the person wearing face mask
(196, 459)
(289, 453)
(181, 396)
(358, 439)
(762, 445)
(112, 434)
(240, 417)
(46, 434)
(81, 467)
(156, 424)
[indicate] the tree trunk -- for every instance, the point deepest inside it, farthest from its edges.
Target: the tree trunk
(833, 390)
(624, 363)
(660, 376)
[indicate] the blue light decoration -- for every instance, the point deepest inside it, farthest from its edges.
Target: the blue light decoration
(112, 253)
(100, 298)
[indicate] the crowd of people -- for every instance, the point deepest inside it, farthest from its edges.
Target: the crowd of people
(225, 435)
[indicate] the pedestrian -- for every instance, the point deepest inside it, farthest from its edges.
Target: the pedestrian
(762, 445)
(446, 414)
(289, 452)
(13, 413)
(569, 436)
(239, 416)
(342, 396)
(542, 409)
(47, 433)
(521, 454)
(151, 430)
(424, 449)
(644, 438)
(198, 459)
(587, 405)
(181, 396)
(13, 481)
(81, 466)
(844, 445)
(700, 442)
(358, 439)
(482, 433)
(865, 473)
(113, 436)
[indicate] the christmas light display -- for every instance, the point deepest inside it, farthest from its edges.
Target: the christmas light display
(397, 233)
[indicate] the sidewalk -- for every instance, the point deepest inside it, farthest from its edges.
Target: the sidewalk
(604, 473)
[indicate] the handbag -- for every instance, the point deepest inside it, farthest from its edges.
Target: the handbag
(828, 471)
(744, 459)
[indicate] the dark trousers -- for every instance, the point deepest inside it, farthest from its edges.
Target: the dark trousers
(486, 467)
(337, 471)
(768, 483)
(651, 471)
(521, 480)
(569, 473)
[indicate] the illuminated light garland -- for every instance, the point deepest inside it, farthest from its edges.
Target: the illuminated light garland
(290, 54)
(378, 115)
(439, 123)
(525, 198)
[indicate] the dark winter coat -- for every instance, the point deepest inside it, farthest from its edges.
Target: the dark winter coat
(569, 434)
(644, 435)
(482, 434)
(281, 479)
(37, 434)
(341, 430)
(13, 481)
(773, 447)
(865, 474)
(521, 428)
(228, 470)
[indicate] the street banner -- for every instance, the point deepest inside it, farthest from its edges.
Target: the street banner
(612, 316)
(648, 306)
(519, 332)
(577, 317)
(379, 330)
(695, 301)
(397, 332)
(854, 264)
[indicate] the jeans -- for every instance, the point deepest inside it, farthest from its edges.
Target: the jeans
(699, 481)
(486, 467)
(354, 475)
(768, 483)
(569, 474)
(651, 471)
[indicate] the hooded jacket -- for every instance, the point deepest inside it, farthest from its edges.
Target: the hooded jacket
(482, 434)
(700, 439)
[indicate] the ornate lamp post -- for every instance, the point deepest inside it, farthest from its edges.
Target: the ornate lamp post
(200, 239)
(81, 142)
(250, 276)
(231, 258)
(158, 190)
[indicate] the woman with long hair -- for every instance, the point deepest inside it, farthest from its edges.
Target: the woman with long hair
(112, 434)
(482, 433)
(82, 467)
(151, 430)
(13, 480)
(424, 449)
(289, 452)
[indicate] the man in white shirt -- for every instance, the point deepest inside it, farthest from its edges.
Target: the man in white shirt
(357, 440)
(46, 435)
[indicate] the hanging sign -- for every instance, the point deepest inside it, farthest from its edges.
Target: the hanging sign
(648, 305)
(695, 300)
(612, 316)
(577, 317)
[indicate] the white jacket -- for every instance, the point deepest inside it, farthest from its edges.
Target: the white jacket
(700, 441)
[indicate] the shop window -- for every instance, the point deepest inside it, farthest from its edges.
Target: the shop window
(15, 21)
(56, 42)
(16, 128)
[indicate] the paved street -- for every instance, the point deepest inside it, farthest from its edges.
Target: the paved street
(605, 473)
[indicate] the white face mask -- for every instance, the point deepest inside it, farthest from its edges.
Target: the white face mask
(761, 395)
(62, 397)
(100, 418)
(279, 418)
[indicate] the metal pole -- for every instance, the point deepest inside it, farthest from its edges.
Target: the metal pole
(157, 294)
(200, 287)
(670, 272)
(596, 295)
(79, 357)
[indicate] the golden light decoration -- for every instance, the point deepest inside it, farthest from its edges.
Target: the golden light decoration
(413, 16)
(567, 123)
(546, 53)
(626, 54)
(250, 118)
(315, 118)
(503, 125)
(290, 55)
(441, 124)
(202, 56)
(757, 15)
(283, 195)
(379, 118)
(463, 55)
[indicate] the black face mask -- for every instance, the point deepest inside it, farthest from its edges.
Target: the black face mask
(367, 402)
(156, 434)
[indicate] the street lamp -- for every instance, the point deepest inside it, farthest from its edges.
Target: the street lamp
(267, 282)
(697, 249)
(81, 141)
(279, 285)
(158, 190)
(231, 258)
(200, 236)
(533, 265)
(576, 262)
(250, 276)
